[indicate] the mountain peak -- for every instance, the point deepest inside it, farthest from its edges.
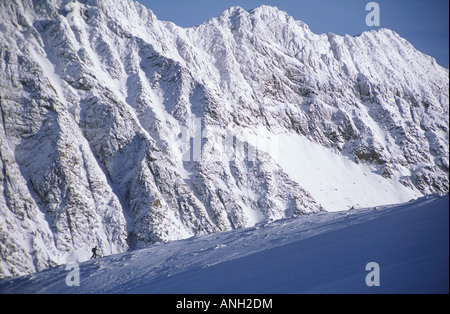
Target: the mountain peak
(266, 11)
(234, 9)
(263, 12)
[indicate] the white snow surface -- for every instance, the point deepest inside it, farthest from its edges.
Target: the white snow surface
(318, 253)
(331, 177)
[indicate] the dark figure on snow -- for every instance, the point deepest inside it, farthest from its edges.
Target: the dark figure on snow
(94, 252)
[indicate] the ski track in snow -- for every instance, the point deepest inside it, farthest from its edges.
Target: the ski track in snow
(318, 253)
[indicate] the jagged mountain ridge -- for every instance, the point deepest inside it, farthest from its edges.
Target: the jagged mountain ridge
(95, 95)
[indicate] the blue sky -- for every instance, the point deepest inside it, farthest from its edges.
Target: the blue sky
(424, 23)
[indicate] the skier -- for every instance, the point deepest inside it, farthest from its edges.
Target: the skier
(94, 252)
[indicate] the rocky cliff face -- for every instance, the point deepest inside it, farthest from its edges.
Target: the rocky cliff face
(120, 130)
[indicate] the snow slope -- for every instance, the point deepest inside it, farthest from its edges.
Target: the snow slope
(318, 253)
(331, 177)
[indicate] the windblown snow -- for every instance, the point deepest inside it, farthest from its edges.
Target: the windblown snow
(120, 131)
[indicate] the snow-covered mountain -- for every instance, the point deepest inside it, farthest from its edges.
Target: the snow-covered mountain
(120, 130)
